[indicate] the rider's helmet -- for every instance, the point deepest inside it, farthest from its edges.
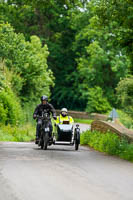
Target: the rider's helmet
(44, 98)
(64, 112)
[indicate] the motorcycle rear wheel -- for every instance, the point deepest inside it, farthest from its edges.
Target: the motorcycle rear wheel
(41, 144)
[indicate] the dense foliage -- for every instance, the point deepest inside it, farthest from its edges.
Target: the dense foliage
(90, 50)
(27, 61)
(125, 95)
(10, 108)
(24, 74)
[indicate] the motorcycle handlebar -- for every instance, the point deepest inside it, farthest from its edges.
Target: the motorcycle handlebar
(42, 117)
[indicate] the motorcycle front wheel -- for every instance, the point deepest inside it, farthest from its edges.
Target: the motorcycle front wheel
(45, 141)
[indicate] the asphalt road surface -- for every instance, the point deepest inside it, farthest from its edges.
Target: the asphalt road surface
(61, 173)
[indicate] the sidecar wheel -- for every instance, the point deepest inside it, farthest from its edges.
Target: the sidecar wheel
(77, 141)
(76, 146)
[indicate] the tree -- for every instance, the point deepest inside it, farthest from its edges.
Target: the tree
(100, 61)
(10, 108)
(115, 17)
(90, 43)
(96, 102)
(125, 94)
(28, 60)
(102, 68)
(50, 20)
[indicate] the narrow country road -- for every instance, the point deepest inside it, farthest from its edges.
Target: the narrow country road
(61, 173)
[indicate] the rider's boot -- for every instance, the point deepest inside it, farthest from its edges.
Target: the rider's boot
(36, 140)
(37, 134)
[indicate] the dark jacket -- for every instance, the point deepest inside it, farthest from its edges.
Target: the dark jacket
(47, 108)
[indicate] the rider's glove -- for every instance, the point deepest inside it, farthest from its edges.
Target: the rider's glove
(55, 118)
(34, 116)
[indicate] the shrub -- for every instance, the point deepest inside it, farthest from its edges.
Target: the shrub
(96, 101)
(127, 153)
(84, 138)
(28, 61)
(109, 143)
(3, 113)
(125, 95)
(17, 133)
(125, 119)
(10, 108)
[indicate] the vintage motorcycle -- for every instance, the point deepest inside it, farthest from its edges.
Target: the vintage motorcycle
(44, 139)
(64, 134)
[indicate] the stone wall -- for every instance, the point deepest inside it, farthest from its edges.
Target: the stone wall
(85, 115)
(104, 126)
(101, 124)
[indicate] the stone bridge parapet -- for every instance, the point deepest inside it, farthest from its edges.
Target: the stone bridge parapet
(117, 128)
(101, 124)
(85, 115)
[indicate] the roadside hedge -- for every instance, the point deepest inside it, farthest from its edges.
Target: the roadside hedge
(109, 143)
(17, 133)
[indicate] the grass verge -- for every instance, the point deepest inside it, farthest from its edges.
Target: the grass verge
(125, 119)
(83, 121)
(24, 133)
(109, 143)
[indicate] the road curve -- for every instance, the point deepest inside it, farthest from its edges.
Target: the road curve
(61, 173)
(83, 127)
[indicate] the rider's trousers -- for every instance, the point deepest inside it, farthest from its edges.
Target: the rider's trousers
(38, 128)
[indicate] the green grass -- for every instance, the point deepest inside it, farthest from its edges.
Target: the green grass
(125, 119)
(83, 121)
(23, 133)
(109, 143)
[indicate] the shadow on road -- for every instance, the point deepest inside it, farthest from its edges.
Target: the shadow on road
(53, 149)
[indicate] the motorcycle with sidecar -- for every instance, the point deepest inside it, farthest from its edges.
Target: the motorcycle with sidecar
(64, 134)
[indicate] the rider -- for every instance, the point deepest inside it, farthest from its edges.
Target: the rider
(44, 106)
(64, 117)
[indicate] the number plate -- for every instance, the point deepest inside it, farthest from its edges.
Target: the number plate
(47, 129)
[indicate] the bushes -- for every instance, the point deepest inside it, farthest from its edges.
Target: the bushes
(125, 95)
(125, 119)
(3, 113)
(27, 62)
(96, 101)
(85, 138)
(109, 143)
(10, 108)
(127, 153)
